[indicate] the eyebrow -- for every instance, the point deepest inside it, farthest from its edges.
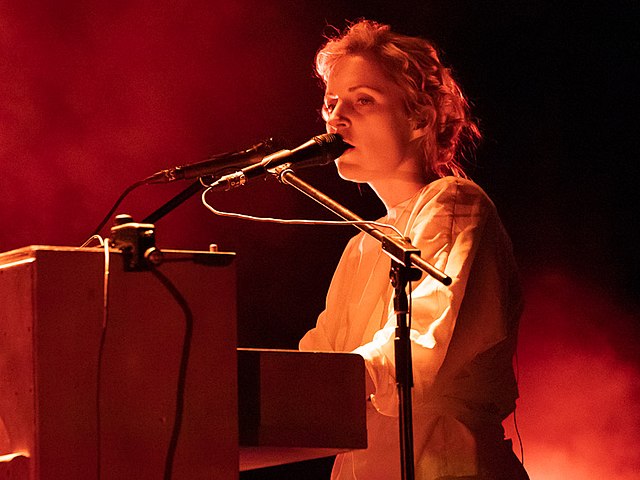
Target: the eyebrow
(356, 87)
(364, 85)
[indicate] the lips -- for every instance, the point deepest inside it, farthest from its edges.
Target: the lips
(349, 144)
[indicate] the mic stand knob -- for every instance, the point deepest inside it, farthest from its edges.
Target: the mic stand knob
(137, 242)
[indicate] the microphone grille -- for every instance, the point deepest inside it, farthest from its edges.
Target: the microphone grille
(327, 139)
(331, 146)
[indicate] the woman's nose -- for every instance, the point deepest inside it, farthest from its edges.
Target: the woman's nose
(337, 119)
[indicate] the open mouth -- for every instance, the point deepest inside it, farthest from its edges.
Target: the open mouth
(349, 146)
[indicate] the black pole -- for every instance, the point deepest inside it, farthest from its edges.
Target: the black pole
(174, 202)
(400, 276)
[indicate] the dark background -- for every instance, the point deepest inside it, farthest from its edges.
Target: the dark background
(95, 96)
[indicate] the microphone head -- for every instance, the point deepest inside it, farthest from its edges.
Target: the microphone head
(331, 145)
(329, 139)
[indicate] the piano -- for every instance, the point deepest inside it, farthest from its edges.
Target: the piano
(88, 392)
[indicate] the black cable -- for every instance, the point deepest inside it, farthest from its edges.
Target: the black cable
(515, 421)
(106, 218)
(182, 374)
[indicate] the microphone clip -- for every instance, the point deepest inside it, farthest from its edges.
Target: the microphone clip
(137, 242)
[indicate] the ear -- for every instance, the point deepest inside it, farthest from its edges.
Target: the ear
(420, 128)
(422, 123)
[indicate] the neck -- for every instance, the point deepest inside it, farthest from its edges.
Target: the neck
(394, 191)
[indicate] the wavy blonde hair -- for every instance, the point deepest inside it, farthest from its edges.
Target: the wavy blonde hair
(431, 96)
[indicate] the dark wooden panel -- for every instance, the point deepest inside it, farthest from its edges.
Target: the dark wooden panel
(299, 405)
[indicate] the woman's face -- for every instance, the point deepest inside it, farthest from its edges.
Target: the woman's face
(366, 107)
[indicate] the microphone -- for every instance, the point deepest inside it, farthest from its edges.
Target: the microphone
(215, 164)
(320, 150)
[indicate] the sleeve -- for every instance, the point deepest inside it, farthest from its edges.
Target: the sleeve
(318, 338)
(447, 228)
(324, 336)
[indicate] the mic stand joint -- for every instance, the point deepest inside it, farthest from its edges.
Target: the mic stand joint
(137, 242)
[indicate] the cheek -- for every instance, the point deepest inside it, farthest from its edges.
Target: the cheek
(395, 134)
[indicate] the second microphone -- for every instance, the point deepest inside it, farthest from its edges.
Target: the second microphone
(320, 150)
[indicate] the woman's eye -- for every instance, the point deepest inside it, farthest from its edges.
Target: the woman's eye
(364, 101)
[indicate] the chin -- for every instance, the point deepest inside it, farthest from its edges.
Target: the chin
(349, 167)
(349, 171)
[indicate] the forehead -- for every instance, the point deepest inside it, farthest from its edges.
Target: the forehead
(353, 71)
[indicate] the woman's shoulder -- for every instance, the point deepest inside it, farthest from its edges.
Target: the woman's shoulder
(454, 189)
(454, 183)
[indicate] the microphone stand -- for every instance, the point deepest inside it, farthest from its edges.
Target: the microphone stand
(174, 202)
(404, 257)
